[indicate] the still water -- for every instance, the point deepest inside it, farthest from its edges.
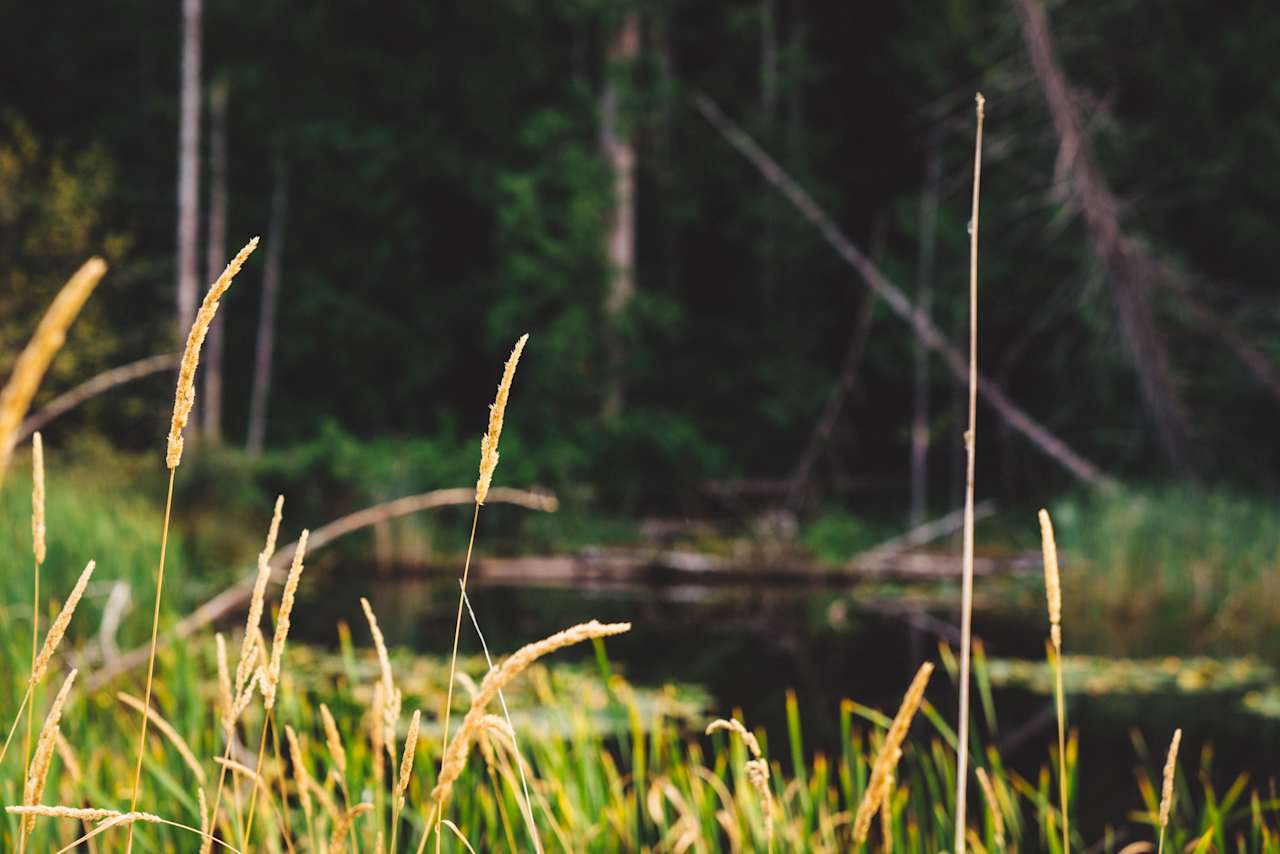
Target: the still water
(748, 644)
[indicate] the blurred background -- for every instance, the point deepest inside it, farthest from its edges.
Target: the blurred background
(683, 204)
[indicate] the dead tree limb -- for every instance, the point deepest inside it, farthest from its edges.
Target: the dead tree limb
(103, 382)
(239, 593)
(900, 304)
(1134, 266)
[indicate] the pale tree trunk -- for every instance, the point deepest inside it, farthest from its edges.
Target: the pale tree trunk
(261, 393)
(618, 147)
(215, 260)
(920, 356)
(188, 167)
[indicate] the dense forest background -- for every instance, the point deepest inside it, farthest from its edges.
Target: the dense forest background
(450, 184)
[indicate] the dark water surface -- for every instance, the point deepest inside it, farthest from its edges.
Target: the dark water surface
(749, 644)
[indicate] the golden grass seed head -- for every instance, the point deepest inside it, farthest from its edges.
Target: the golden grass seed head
(37, 498)
(455, 754)
(46, 341)
(890, 752)
(59, 627)
(406, 760)
(497, 411)
(38, 773)
(333, 739)
(1170, 770)
(300, 773)
(1052, 580)
(185, 396)
(272, 682)
(244, 667)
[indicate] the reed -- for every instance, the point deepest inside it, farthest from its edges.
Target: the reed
(1053, 598)
(1166, 789)
(970, 446)
(184, 400)
(46, 341)
(488, 464)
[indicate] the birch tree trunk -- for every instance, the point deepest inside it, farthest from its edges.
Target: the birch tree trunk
(215, 260)
(188, 167)
(619, 150)
(261, 393)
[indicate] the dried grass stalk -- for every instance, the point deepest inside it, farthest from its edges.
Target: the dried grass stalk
(244, 668)
(455, 756)
(377, 733)
(38, 773)
(166, 729)
(890, 752)
(59, 627)
(225, 699)
(756, 768)
(1052, 581)
(489, 442)
(406, 760)
(1166, 790)
(338, 841)
(993, 806)
(391, 697)
(77, 813)
(185, 396)
(68, 756)
(37, 499)
(272, 681)
(301, 776)
(206, 827)
(332, 738)
(45, 343)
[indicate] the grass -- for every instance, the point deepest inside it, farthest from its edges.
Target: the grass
(361, 780)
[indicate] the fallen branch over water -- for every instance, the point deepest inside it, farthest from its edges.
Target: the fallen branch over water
(239, 593)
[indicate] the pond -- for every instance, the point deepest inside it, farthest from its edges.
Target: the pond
(750, 643)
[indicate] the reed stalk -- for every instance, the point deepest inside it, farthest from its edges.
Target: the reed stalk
(970, 446)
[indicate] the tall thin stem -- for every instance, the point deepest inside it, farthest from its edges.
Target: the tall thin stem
(970, 443)
(151, 659)
(262, 752)
(453, 662)
(1062, 747)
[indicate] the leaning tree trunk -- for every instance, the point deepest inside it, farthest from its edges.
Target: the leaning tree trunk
(618, 147)
(261, 394)
(215, 259)
(1126, 265)
(188, 167)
